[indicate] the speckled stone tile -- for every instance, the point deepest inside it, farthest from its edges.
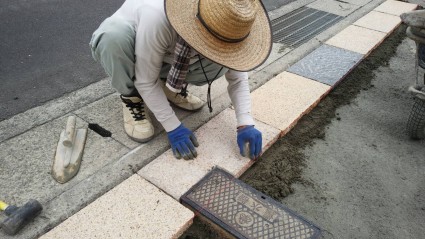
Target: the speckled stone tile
(327, 64)
(395, 7)
(283, 100)
(358, 2)
(336, 7)
(217, 147)
(107, 112)
(379, 21)
(357, 39)
(133, 209)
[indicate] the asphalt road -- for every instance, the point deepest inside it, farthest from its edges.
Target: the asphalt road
(44, 50)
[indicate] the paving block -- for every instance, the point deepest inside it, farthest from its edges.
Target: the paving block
(107, 112)
(336, 7)
(379, 21)
(358, 2)
(395, 7)
(327, 64)
(133, 209)
(283, 100)
(217, 146)
(357, 39)
(243, 212)
(26, 161)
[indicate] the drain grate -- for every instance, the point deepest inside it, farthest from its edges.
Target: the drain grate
(301, 25)
(244, 212)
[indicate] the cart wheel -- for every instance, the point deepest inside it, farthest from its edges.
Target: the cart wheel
(416, 122)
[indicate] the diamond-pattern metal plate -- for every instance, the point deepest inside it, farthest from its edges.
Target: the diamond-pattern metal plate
(243, 211)
(327, 64)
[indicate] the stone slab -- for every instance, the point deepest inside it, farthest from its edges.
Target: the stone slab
(107, 112)
(395, 7)
(336, 7)
(244, 212)
(26, 161)
(357, 2)
(379, 21)
(217, 146)
(357, 39)
(133, 209)
(283, 100)
(326, 64)
(34, 117)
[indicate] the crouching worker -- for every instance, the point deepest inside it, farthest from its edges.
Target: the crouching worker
(152, 50)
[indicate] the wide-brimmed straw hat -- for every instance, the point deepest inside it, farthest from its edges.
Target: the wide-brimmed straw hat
(232, 33)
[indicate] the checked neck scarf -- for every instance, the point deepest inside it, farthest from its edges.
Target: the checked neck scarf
(177, 74)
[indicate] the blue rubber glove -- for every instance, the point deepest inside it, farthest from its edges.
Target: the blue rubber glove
(183, 143)
(249, 142)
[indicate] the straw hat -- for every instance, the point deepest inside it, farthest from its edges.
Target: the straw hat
(232, 33)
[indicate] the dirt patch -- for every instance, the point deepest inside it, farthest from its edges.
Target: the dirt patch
(283, 163)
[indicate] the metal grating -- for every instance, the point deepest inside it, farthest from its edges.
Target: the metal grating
(301, 25)
(244, 212)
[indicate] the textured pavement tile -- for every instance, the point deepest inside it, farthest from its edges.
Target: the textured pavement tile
(133, 209)
(395, 7)
(217, 146)
(357, 39)
(53, 109)
(357, 2)
(26, 161)
(285, 99)
(107, 112)
(379, 21)
(336, 7)
(327, 64)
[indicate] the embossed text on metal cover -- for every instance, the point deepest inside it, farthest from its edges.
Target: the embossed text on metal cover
(243, 211)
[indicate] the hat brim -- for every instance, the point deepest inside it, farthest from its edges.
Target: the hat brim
(242, 56)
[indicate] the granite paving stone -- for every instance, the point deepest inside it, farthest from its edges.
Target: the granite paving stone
(107, 112)
(358, 2)
(327, 64)
(336, 7)
(357, 39)
(26, 160)
(53, 109)
(283, 100)
(133, 209)
(379, 21)
(217, 147)
(395, 7)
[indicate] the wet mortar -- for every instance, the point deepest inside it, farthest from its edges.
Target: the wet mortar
(282, 165)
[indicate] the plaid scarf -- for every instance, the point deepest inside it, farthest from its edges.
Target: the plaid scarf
(177, 74)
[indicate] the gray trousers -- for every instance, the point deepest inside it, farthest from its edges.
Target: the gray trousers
(113, 45)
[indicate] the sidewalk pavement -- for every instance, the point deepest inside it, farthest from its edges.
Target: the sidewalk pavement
(125, 189)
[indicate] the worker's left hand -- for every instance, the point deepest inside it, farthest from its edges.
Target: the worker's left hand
(251, 136)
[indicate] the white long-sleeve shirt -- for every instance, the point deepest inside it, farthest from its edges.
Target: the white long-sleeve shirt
(155, 42)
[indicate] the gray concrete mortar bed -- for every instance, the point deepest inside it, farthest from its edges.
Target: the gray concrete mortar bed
(28, 140)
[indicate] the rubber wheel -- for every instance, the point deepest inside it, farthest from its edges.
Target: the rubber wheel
(416, 122)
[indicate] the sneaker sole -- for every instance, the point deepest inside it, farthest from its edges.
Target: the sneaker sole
(187, 109)
(141, 140)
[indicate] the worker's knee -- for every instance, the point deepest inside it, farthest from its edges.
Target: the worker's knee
(113, 38)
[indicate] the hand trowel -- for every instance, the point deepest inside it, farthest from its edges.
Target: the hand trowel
(69, 152)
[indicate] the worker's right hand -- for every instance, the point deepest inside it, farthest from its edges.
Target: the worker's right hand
(183, 143)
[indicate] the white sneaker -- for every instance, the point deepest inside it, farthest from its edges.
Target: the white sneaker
(137, 123)
(183, 100)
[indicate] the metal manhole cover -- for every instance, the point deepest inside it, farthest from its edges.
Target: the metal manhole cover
(301, 25)
(244, 212)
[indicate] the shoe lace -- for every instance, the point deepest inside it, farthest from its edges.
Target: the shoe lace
(137, 109)
(184, 92)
